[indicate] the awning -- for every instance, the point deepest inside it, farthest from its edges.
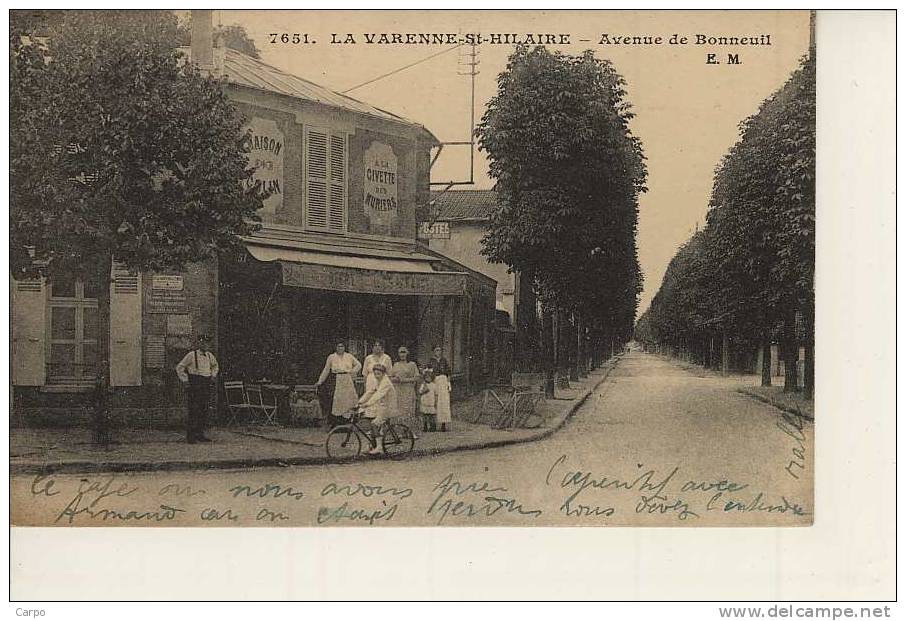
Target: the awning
(361, 274)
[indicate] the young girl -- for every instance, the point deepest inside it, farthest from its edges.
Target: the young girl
(427, 401)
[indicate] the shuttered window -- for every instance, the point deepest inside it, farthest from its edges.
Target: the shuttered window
(125, 328)
(325, 180)
(72, 331)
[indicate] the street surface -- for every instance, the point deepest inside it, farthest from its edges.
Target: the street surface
(657, 444)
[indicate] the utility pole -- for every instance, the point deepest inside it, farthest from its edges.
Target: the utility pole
(468, 60)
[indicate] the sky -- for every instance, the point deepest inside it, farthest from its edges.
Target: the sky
(687, 111)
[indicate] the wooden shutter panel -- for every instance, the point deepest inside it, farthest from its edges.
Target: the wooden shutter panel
(316, 185)
(29, 302)
(337, 213)
(125, 328)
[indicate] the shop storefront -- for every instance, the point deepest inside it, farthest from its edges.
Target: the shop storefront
(336, 258)
(283, 310)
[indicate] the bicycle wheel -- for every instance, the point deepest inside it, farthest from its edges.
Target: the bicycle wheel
(398, 441)
(343, 443)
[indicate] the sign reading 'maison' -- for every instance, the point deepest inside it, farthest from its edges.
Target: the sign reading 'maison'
(266, 156)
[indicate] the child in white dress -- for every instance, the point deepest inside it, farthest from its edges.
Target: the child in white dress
(427, 401)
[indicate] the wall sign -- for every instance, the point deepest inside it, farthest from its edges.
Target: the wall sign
(437, 230)
(155, 351)
(179, 324)
(166, 301)
(373, 281)
(266, 147)
(166, 282)
(381, 196)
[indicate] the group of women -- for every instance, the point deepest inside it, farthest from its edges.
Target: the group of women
(338, 396)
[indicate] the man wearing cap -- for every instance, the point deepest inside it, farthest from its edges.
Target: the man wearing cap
(198, 371)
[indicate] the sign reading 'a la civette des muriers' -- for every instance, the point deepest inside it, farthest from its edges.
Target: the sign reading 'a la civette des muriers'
(266, 155)
(381, 197)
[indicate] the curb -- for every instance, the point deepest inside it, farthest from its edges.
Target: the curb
(772, 403)
(79, 467)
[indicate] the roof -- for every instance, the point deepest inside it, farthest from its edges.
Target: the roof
(243, 70)
(464, 204)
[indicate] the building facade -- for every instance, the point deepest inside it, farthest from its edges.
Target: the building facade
(459, 221)
(337, 259)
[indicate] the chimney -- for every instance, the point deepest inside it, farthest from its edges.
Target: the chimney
(203, 39)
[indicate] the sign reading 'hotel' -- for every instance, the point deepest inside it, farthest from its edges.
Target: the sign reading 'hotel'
(380, 184)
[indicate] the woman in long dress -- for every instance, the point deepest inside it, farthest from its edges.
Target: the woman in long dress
(336, 388)
(442, 373)
(405, 376)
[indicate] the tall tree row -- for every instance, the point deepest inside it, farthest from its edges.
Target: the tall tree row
(568, 175)
(747, 280)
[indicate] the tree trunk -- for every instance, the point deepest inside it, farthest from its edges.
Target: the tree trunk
(575, 348)
(548, 349)
(766, 359)
(790, 355)
(561, 365)
(809, 379)
(581, 364)
(100, 420)
(725, 354)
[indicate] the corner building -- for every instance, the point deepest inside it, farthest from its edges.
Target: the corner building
(337, 258)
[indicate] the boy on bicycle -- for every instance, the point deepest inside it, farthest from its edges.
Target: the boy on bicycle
(378, 403)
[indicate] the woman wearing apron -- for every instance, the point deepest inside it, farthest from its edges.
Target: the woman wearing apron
(442, 374)
(336, 390)
(405, 375)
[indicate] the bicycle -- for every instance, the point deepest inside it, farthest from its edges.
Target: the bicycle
(344, 442)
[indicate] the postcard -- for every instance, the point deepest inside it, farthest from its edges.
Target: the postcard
(427, 268)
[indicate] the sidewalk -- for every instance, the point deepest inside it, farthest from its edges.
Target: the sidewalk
(792, 402)
(35, 451)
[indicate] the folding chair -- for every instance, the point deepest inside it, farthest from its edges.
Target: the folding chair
(527, 394)
(497, 401)
(268, 410)
(237, 401)
(517, 408)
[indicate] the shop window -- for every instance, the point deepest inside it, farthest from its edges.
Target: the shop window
(325, 180)
(72, 330)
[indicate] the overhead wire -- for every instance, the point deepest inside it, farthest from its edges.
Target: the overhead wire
(390, 73)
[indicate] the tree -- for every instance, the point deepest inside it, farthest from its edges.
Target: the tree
(233, 36)
(568, 173)
(751, 271)
(120, 152)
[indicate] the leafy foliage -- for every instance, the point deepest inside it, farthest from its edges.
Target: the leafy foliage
(120, 150)
(753, 266)
(568, 173)
(233, 36)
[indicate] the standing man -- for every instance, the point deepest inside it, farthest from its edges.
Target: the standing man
(198, 371)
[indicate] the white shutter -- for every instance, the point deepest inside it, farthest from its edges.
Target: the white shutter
(316, 185)
(125, 328)
(337, 213)
(29, 332)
